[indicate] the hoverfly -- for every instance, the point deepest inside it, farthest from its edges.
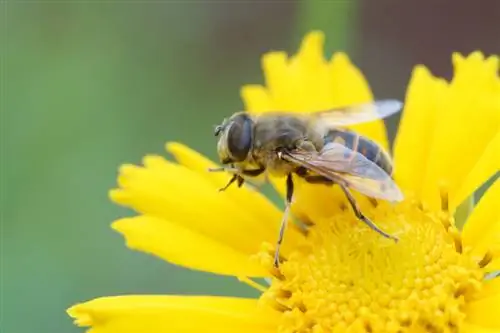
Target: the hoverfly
(313, 146)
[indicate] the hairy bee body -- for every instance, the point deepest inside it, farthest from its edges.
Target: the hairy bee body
(272, 132)
(315, 147)
(275, 132)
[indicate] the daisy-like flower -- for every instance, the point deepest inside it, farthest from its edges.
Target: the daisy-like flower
(339, 275)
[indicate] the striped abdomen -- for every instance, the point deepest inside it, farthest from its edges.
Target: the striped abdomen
(361, 144)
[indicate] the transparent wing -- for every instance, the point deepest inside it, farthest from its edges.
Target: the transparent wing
(342, 116)
(359, 113)
(345, 166)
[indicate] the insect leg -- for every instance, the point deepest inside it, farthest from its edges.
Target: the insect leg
(253, 172)
(361, 216)
(230, 182)
(241, 181)
(236, 175)
(250, 172)
(223, 169)
(284, 221)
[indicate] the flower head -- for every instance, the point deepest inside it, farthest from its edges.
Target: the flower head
(338, 275)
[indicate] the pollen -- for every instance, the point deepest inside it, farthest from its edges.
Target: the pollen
(344, 276)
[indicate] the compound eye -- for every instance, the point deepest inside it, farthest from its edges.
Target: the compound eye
(240, 138)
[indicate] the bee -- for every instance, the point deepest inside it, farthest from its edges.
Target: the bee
(313, 146)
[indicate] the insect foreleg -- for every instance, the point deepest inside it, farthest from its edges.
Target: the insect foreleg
(361, 216)
(252, 172)
(284, 221)
(237, 175)
(234, 178)
(223, 169)
(249, 172)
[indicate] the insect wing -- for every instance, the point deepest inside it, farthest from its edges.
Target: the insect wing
(385, 190)
(341, 164)
(358, 113)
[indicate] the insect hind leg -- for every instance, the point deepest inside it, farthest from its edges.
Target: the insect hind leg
(362, 217)
(284, 220)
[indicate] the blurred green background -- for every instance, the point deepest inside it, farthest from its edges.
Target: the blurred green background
(87, 86)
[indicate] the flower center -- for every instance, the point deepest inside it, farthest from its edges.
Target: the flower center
(345, 275)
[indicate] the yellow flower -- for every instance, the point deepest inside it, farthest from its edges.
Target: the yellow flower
(339, 276)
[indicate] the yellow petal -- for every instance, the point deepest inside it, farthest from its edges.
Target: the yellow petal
(239, 219)
(249, 201)
(309, 77)
(169, 191)
(278, 80)
(447, 128)
(469, 328)
(307, 82)
(487, 165)
(491, 288)
(186, 247)
(482, 229)
(349, 86)
(137, 313)
(416, 128)
(468, 122)
(494, 265)
(315, 202)
(256, 98)
(484, 310)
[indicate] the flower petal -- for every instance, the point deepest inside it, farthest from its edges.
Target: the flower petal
(487, 165)
(416, 128)
(256, 98)
(494, 265)
(239, 219)
(468, 122)
(279, 80)
(491, 288)
(307, 82)
(152, 314)
(169, 191)
(484, 310)
(186, 247)
(349, 86)
(482, 229)
(469, 328)
(250, 201)
(314, 202)
(308, 73)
